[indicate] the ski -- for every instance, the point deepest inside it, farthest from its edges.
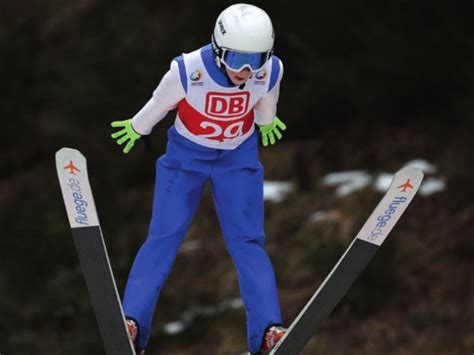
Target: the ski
(71, 167)
(373, 233)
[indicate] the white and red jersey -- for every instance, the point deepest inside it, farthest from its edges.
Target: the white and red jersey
(211, 111)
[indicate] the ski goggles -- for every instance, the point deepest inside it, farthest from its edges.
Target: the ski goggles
(237, 61)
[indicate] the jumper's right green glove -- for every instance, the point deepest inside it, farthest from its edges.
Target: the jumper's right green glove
(127, 133)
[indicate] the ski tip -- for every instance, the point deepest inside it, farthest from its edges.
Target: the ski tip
(407, 180)
(412, 170)
(409, 172)
(66, 152)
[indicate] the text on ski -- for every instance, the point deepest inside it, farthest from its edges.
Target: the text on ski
(80, 204)
(385, 217)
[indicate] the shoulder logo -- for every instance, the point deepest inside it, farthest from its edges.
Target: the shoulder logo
(261, 74)
(196, 75)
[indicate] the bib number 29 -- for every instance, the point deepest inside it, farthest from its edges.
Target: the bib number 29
(231, 131)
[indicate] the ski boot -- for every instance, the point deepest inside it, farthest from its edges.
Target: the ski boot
(133, 331)
(272, 337)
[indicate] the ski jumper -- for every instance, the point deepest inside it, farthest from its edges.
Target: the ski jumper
(212, 140)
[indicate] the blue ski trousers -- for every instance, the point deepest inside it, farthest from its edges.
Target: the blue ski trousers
(236, 178)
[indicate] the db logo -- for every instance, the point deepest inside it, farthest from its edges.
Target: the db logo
(227, 105)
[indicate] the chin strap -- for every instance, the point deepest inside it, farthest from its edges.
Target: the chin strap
(217, 52)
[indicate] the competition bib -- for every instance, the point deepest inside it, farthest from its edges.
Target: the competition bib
(216, 116)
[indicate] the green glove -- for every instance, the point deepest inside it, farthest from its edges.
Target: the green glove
(271, 130)
(125, 134)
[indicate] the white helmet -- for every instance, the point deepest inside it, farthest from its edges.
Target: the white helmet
(243, 28)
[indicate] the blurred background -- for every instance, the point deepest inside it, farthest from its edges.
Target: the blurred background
(369, 87)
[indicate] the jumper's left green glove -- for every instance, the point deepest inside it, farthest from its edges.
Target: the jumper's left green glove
(271, 130)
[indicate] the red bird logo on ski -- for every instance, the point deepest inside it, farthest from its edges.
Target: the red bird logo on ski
(404, 187)
(72, 167)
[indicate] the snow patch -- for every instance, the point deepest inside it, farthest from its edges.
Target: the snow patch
(348, 181)
(383, 181)
(173, 328)
(431, 186)
(351, 181)
(423, 165)
(188, 317)
(276, 191)
(318, 216)
(190, 245)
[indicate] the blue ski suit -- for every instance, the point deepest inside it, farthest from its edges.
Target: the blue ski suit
(236, 179)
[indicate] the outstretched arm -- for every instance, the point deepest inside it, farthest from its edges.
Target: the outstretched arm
(265, 110)
(165, 98)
